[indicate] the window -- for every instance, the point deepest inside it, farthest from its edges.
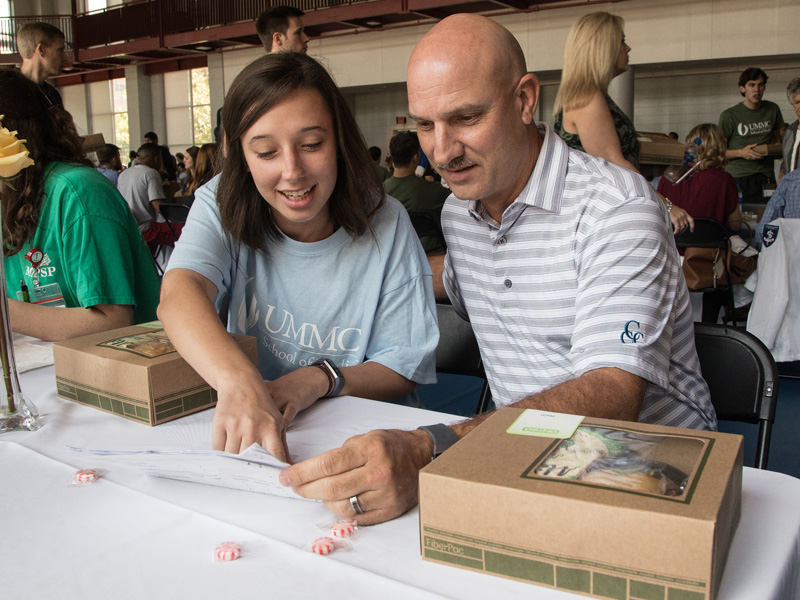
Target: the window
(109, 105)
(119, 106)
(6, 28)
(188, 101)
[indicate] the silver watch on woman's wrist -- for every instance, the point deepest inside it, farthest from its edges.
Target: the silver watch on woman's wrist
(443, 437)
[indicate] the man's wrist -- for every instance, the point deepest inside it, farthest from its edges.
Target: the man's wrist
(423, 444)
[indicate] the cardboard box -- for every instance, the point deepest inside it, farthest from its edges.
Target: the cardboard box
(91, 144)
(769, 149)
(659, 149)
(504, 504)
(136, 373)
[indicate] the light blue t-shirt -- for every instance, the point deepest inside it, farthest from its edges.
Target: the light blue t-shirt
(350, 301)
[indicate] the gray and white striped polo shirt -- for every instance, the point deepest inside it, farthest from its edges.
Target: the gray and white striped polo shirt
(581, 274)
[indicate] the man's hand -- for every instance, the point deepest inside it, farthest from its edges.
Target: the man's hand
(245, 415)
(297, 391)
(749, 153)
(381, 468)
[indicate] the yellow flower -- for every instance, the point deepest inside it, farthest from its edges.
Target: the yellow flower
(14, 156)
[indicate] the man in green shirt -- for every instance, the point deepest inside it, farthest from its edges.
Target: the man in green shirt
(746, 125)
(423, 199)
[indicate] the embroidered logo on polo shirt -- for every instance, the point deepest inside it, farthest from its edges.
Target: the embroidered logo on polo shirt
(631, 334)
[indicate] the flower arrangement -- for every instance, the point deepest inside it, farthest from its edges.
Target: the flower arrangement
(14, 156)
(15, 411)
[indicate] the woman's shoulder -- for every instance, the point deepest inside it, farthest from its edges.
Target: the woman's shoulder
(79, 183)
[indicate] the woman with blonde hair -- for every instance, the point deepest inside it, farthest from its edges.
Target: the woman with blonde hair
(586, 118)
(710, 191)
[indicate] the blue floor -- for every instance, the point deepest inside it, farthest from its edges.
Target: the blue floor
(458, 395)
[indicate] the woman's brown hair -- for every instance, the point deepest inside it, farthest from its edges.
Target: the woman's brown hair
(265, 82)
(205, 167)
(50, 136)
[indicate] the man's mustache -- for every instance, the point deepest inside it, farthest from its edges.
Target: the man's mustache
(458, 163)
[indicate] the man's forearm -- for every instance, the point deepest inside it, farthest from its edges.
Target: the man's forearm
(606, 393)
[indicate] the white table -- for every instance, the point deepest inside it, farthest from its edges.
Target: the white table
(132, 536)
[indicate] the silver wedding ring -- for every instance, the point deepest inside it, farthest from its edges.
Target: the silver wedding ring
(356, 506)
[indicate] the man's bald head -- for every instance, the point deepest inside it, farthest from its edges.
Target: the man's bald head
(474, 104)
(451, 44)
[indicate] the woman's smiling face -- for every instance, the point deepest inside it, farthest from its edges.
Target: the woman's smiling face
(291, 154)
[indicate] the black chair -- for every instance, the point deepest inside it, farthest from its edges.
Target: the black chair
(173, 213)
(709, 233)
(742, 377)
(457, 352)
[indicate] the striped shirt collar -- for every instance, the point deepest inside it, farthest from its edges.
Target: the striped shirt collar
(545, 185)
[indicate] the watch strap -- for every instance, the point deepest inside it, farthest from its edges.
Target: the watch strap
(443, 437)
(335, 377)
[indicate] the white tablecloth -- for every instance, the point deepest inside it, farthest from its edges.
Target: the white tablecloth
(132, 536)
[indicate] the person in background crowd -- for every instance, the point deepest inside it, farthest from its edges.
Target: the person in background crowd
(673, 135)
(785, 202)
(376, 154)
(110, 162)
(752, 122)
(280, 29)
(132, 158)
(559, 259)
(791, 141)
(142, 188)
(419, 196)
(189, 161)
(43, 50)
(69, 237)
(297, 215)
(708, 192)
(205, 167)
(586, 117)
(168, 163)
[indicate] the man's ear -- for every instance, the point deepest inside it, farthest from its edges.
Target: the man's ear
(40, 49)
(527, 95)
(277, 41)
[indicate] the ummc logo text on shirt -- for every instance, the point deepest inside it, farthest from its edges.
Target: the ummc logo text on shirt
(754, 128)
(308, 335)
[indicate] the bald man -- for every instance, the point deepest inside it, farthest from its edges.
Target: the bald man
(564, 264)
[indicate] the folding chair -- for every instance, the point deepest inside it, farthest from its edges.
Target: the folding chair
(458, 353)
(173, 213)
(742, 377)
(709, 233)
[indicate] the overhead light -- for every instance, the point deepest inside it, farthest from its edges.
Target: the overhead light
(374, 23)
(203, 48)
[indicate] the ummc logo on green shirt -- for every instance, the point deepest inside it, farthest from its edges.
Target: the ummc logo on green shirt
(754, 128)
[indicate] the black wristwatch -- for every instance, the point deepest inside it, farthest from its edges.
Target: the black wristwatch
(335, 377)
(443, 437)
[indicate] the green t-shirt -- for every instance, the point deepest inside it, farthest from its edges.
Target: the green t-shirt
(743, 126)
(92, 247)
(424, 197)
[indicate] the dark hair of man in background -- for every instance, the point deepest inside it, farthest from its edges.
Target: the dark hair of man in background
(403, 147)
(275, 20)
(751, 74)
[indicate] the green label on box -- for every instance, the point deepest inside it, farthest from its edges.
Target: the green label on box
(540, 423)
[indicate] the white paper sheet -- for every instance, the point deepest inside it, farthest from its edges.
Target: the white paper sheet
(254, 470)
